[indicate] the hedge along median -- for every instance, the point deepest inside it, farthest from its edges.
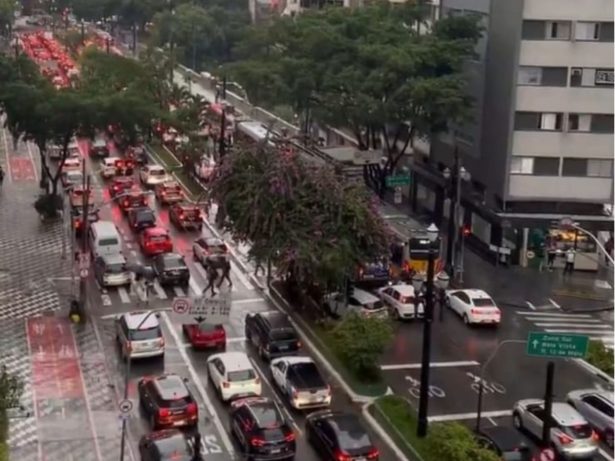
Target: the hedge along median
(601, 357)
(164, 156)
(448, 441)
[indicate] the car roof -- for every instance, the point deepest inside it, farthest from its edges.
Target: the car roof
(475, 293)
(344, 422)
(581, 393)
(292, 360)
(153, 231)
(111, 159)
(125, 179)
(170, 256)
(403, 289)
(504, 437)
(133, 319)
(364, 296)
(214, 241)
(234, 361)
(170, 387)
(115, 258)
(170, 184)
(155, 167)
(566, 415)
(276, 319)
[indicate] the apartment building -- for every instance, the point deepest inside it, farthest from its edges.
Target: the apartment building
(540, 145)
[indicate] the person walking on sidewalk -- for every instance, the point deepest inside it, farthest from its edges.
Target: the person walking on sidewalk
(569, 267)
(226, 274)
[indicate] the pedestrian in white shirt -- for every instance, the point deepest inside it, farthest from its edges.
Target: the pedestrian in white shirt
(569, 267)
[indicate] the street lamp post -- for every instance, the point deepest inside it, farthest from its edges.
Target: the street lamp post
(568, 223)
(421, 430)
(456, 176)
(223, 120)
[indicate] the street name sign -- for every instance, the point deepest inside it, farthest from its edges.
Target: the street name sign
(402, 180)
(541, 344)
(204, 310)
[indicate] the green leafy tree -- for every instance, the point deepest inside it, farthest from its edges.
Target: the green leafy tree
(308, 222)
(360, 341)
(7, 16)
(454, 442)
(11, 389)
(600, 356)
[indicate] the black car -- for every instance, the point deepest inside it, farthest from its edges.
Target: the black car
(504, 441)
(166, 402)
(272, 334)
(166, 445)
(260, 429)
(141, 218)
(339, 436)
(171, 269)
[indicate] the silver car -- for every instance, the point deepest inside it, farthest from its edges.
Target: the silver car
(597, 408)
(139, 335)
(571, 435)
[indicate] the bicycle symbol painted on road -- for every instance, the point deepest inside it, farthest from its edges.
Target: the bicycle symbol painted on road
(415, 389)
(492, 387)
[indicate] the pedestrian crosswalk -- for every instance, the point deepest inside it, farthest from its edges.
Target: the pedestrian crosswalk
(572, 323)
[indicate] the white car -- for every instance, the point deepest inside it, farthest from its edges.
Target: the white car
(54, 152)
(109, 168)
(72, 164)
(300, 381)
(139, 335)
(152, 175)
(233, 375)
(73, 149)
(473, 306)
(362, 302)
(401, 301)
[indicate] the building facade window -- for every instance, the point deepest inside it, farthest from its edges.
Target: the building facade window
(558, 30)
(583, 167)
(543, 121)
(579, 122)
(587, 31)
(588, 76)
(537, 166)
(542, 76)
(602, 123)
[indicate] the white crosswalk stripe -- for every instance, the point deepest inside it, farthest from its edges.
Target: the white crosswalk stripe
(582, 324)
(179, 291)
(124, 296)
(159, 290)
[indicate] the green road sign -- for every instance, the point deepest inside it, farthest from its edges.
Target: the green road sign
(394, 181)
(541, 344)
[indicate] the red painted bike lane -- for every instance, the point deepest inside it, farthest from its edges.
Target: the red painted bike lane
(57, 380)
(21, 169)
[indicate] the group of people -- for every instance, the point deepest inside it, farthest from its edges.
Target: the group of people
(214, 276)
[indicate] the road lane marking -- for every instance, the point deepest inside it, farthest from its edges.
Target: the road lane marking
(199, 386)
(572, 330)
(106, 300)
(530, 305)
(119, 314)
(572, 325)
(159, 290)
(410, 366)
(179, 291)
(196, 289)
(124, 296)
(466, 416)
(248, 301)
(554, 314)
(554, 303)
(605, 454)
(33, 391)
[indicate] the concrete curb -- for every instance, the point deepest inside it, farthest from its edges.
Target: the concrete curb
(383, 434)
(595, 371)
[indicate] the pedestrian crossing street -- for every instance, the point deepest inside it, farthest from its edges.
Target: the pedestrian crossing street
(198, 281)
(572, 323)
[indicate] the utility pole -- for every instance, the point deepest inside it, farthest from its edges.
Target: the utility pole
(223, 120)
(84, 243)
(452, 215)
(421, 429)
(546, 425)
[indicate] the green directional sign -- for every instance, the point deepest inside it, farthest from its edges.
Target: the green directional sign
(541, 344)
(394, 181)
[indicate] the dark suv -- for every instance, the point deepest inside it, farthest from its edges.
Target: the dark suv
(261, 430)
(272, 334)
(167, 402)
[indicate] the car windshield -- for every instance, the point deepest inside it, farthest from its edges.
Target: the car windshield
(283, 334)
(145, 334)
(176, 448)
(145, 215)
(241, 375)
(207, 327)
(157, 172)
(579, 431)
(267, 416)
(483, 302)
(373, 306)
(353, 438)
(406, 299)
(159, 238)
(174, 263)
(108, 242)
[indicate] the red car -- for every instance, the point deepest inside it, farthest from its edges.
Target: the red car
(186, 216)
(169, 192)
(120, 186)
(125, 166)
(203, 335)
(154, 241)
(133, 199)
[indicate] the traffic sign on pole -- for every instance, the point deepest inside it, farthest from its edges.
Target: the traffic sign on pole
(401, 180)
(541, 344)
(84, 260)
(181, 305)
(84, 273)
(125, 406)
(209, 310)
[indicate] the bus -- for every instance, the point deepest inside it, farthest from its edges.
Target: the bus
(251, 132)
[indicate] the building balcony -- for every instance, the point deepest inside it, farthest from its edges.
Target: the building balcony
(578, 100)
(559, 144)
(560, 189)
(548, 10)
(566, 53)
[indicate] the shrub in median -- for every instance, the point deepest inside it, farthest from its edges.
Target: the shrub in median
(359, 342)
(454, 442)
(600, 356)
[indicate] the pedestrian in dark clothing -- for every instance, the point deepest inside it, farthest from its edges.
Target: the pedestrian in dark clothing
(226, 273)
(551, 253)
(259, 267)
(212, 276)
(1, 175)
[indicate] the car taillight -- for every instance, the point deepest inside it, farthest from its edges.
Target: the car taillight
(257, 380)
(163, 413)
(116, 188)
(475, 311)
(191, 409)
(373, 454)
(294, 393)
(126, 203)
(564, 439)
(595, 436)
(181, 216)
(290, 437)
(328, 389)
(299, 345)
(226, 384)
(77, 224)
(342, 456)
(257, 442)
(128, 346)
(161, 342)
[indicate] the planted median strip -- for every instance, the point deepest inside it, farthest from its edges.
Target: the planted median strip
(448, 441)
(172, 165)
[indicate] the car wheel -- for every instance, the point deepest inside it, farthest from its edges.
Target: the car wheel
(466, 319)
(396, 315)
(517, 422)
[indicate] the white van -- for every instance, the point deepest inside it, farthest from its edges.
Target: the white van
(104, 239)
